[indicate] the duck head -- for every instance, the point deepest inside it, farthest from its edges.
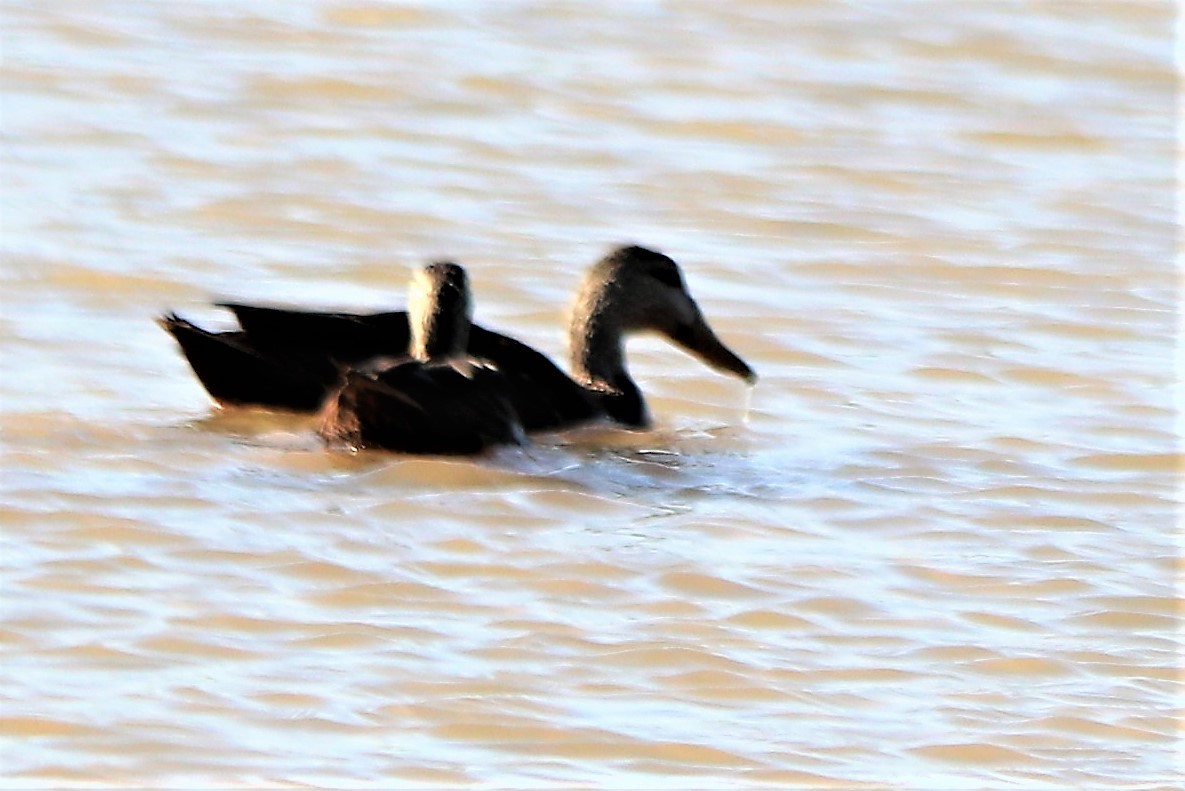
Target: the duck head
(439, 311)
(632, 290)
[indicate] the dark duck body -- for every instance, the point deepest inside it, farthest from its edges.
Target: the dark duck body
(291, 359)
(438, 400)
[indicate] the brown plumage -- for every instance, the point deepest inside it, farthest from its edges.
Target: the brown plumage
(292, 359)
(437, 400)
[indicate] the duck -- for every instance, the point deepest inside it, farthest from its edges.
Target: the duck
(284, 358)
(438, 399)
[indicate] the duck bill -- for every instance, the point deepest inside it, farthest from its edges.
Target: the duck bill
(699, 339)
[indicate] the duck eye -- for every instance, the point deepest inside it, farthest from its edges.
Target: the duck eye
(668, 277)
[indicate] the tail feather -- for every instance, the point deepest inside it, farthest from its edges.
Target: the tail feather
(235, 372)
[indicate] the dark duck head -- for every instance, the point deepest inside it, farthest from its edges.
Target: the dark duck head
(633, 290)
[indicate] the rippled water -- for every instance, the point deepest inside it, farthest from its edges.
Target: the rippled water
(936, 549)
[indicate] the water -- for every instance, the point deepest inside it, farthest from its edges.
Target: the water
(936, 548)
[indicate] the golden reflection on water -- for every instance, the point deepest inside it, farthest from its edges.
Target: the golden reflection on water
(935, 546)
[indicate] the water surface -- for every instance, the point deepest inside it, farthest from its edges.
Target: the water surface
(936, 548)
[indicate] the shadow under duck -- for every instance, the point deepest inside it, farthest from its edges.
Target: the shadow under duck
(291, 359)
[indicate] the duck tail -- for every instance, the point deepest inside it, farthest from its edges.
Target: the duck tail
(170, 322)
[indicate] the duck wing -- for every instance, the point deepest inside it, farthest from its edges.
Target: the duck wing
(346, 337)
(427, 408)
(544, 397)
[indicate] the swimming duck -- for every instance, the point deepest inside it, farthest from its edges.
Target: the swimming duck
(439, 399)
(292, 358)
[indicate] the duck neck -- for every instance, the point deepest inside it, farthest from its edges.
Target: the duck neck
(435, 337)
(597, 353)
(598, 363)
